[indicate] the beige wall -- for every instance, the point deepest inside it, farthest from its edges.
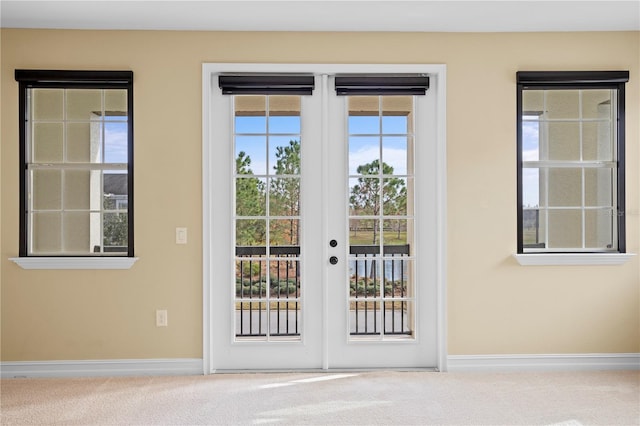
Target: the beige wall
(495, 306)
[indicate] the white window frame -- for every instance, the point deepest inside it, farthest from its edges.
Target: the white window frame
(213, 207)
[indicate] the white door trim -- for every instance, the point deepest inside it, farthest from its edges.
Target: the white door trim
(211, 208)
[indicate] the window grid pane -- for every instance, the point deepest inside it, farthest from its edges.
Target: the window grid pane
(569, 185)
(381, 217)
(267, 138)
(70, 137)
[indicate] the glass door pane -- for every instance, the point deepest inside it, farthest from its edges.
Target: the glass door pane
(381, 218)
(268, 286)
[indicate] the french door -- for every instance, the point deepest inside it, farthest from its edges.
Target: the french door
(321, 221)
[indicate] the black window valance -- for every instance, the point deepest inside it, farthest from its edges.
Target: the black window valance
(381, 84)
(266, 84)
(567, 78)
(73, 78)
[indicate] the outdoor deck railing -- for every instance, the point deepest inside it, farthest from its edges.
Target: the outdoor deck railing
(280, 311)
(268, 296)
(378, 290)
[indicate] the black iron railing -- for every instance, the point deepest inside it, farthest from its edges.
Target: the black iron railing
(378, 290)
(268, 291)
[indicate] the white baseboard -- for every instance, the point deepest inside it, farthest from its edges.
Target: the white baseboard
(89, 368)
(194, 366)
(557, 362)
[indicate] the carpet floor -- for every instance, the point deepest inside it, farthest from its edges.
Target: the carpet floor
(379, 397)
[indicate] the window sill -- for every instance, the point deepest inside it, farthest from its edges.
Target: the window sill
(74, 262)
(540, 259)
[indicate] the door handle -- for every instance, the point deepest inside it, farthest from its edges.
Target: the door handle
(333, 260)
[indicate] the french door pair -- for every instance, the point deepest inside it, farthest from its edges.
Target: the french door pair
(322, 190)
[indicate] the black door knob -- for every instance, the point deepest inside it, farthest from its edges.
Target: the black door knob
(333, 243)
(333, 260)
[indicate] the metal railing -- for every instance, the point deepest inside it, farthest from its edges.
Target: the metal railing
(378, 290)
(268, 290)
(268, 295)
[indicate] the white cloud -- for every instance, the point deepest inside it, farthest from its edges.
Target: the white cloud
(530, 188)
(530, 131)
(530, 141)
(530, 155)
(396, 158)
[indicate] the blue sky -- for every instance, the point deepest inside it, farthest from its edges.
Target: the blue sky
(362, 148)
(530, 152)
(253, 140)
(115, 141)
(365, 149)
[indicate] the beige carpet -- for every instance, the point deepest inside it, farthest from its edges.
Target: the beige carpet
(405, 398)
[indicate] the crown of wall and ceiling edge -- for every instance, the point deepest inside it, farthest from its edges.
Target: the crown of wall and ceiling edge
(326, 15)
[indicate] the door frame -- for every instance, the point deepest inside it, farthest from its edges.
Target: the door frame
(210, 175)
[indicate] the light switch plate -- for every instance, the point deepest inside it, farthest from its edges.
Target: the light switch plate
(162, 318)
(181, 235)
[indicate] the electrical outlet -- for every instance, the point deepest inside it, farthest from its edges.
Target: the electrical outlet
(162, 320)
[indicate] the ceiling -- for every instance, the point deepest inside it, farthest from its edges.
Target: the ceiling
(325, 15)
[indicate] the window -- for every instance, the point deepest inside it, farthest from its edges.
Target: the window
(76, 155)
(571, 192)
